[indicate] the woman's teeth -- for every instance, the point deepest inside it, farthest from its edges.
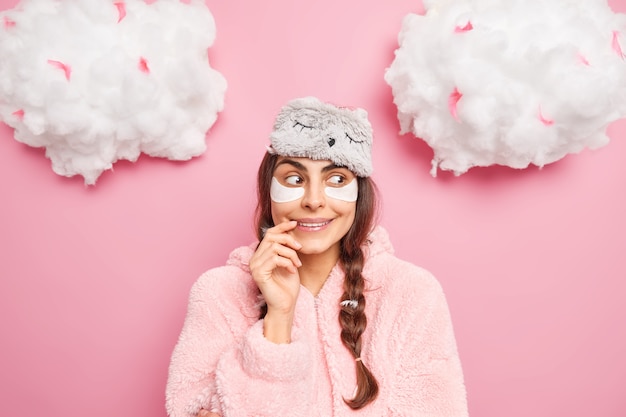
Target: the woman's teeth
(313, 224)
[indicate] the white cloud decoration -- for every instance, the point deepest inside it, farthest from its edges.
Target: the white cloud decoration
(97, 81)
(509, 82)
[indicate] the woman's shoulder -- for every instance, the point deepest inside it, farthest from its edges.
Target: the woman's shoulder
(231, 281)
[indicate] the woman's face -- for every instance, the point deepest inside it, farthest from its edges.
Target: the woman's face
(320, 196)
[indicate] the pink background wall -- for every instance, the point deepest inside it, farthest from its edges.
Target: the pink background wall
(94, 281)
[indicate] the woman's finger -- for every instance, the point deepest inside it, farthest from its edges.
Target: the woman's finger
(280, 234)
(285, 252)
(274, 256)
(276, 245)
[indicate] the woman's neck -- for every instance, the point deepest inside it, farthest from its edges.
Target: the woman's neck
(316, 268)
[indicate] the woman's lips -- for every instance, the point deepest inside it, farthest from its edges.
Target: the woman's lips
(313, 225)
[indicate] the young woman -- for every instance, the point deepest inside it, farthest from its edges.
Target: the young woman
(317, 318)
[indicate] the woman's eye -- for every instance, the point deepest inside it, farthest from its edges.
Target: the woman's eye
(293, 180)
(337, 180)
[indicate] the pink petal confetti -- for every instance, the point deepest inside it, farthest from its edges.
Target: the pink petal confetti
(468, 26)
(121, 10)
(543, 119)
(616, 46)
(19, 114)
(8, 23)
(452, 102)
(582, 59)
(60, 65)
(143, 65)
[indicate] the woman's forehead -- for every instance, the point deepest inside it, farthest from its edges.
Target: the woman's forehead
(304, 160)
(308, 163)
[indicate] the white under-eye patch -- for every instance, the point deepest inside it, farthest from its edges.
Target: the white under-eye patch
(282, 194)
(347, 193)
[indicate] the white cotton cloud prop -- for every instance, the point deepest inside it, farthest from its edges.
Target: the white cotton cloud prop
(509, 82)
(96, 81)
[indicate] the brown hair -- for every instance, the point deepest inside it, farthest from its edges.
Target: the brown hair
(353, 320)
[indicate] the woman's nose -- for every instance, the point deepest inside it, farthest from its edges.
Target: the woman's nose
(314, 196)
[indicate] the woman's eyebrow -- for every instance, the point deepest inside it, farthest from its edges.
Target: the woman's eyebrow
(331, 167)
(293, 163)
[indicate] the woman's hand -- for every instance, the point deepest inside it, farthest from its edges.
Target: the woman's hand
(274, 267)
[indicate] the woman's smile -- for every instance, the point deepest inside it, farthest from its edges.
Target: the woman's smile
(313, 225)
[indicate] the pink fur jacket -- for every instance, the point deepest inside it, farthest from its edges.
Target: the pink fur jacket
(223, 363)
